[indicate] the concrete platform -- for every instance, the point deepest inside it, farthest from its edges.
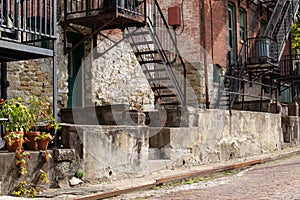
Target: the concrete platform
(117, 187)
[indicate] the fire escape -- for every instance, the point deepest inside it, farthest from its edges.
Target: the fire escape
(153, 43)
(261, 62)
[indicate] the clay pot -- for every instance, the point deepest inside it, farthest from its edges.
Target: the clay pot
(43, 143)
(30, 143)
(15, 144)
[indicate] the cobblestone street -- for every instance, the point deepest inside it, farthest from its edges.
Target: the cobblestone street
(275, 180)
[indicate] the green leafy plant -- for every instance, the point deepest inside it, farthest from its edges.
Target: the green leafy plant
(79, 173)
(43, 178)
(45, 135)
(46, 155)
(18, 114)
(42, 114)
(21, 157)
(25, 190)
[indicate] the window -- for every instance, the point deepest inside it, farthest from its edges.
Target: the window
(232, 31)
(216, 74)
(263, 27)
(286, 94)
(243, 25)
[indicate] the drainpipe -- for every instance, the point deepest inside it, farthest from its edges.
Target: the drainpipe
(203, 43)
(54, 73)
(4, 82)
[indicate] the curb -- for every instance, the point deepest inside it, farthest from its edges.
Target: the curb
(196, 173)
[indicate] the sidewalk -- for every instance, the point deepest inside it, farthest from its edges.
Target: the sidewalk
(116, 187)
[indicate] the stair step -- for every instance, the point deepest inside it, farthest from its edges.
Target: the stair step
(153, 70)
(150, 61)
(167, 95)
(145, 52)
(160, 79)
(161, 87)
(169, 103)
(137, 33)
(141, 43)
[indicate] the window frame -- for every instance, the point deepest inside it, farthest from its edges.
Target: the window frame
(232, 31)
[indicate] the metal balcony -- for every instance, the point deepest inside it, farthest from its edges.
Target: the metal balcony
(262, 52)
(106, 14)
(27, 29)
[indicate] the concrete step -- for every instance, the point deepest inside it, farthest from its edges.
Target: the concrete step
(158, 165)
(157, 154)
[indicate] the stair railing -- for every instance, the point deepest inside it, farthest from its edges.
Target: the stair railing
(274, 18)
(168, 51)
(280, 23)
(234, 76)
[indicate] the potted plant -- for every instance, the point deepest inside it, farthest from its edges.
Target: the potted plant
(14, 141)
(36, 108)
(43, 140)
(18, 114)
(19, 121)
(42, 115)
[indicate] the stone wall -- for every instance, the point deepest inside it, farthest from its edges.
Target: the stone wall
(115, 77)
(203, 136)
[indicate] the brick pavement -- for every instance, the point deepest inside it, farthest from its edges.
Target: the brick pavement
(275, 180)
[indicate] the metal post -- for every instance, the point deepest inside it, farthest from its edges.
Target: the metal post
(4, 82)
(54, 71)
(4, 86)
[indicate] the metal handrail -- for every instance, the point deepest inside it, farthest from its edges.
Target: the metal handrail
(29, 21)
(88, 7)
(261, 97)
(161, 42)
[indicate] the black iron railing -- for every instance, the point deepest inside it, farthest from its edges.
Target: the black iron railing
(261, 50)
(280, 23)
(244, 97)
(168, 50)
(75, 8)
(290, 65)
(29, 22)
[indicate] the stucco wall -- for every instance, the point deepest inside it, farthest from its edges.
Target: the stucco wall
(212, 136)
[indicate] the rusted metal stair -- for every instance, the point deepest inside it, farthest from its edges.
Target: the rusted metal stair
(280, 23)
(157, 53)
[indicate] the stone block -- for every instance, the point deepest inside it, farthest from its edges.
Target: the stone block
(69, 137)
(62, 169)
(64, 154)
(134, 118)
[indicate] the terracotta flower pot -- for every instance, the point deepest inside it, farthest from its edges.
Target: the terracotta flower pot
(43, 143)
(15, 145)
(30, 143)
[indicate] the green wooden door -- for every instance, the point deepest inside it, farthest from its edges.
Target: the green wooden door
(75, 80)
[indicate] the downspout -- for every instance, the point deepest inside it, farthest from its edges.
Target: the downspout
(211, 31)
(54, 71)
(4, 82)
(203, 43)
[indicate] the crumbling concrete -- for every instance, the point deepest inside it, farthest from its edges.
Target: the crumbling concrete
(199, 137)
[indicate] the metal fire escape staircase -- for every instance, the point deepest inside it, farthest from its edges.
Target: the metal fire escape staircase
(262, 53)
(156, 50)
(280, 23)
(150, 37)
